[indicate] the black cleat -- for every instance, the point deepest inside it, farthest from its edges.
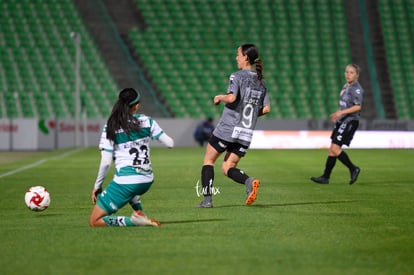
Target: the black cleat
(354, 175)
(321, 180)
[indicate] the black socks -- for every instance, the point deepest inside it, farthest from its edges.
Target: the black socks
(330, 163)
(207, 179)
(343, 157)
(237, 175)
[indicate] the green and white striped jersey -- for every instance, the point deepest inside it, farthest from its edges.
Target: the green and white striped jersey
(131, 153)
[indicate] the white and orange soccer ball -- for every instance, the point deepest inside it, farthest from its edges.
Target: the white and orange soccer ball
(37, 198)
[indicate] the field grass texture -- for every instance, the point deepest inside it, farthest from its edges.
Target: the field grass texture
(294, 227)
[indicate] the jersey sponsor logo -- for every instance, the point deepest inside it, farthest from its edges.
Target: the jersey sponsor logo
(242, 134)
(135, 143)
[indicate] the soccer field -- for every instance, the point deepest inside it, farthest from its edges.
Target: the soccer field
(294, 227)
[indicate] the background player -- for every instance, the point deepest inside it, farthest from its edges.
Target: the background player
(346, 123)
(245, 101)
(203, 131)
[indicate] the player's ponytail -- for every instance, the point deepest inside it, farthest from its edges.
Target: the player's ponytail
(253, 56)
(121, 116)
(259, 68)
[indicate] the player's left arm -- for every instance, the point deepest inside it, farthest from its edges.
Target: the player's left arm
(158, 134)
(166, 140)
(228, 98)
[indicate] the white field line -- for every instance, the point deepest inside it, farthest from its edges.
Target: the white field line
(39, 162)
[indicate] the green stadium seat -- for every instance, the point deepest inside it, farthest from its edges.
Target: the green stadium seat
(40, 56)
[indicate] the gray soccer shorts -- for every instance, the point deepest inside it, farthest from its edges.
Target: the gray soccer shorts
(343, 133)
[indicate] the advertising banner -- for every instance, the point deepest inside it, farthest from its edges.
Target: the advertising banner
(50, 134)
(19, 134)
(321, 139)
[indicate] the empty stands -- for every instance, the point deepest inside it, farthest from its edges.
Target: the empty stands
(189, 50)
(38, 62)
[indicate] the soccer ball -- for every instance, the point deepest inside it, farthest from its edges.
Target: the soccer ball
(37, 198)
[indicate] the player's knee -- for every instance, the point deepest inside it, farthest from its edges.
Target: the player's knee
(335, 150)
(225, 168)
(92, 222)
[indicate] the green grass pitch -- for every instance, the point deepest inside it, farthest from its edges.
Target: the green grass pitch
(294, 227)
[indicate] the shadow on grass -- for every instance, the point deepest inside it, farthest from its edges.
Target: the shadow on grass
(286, 204)
(300, 203)
(46, 215)
(193, 221)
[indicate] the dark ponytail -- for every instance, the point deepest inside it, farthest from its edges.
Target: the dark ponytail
(253, 56)
(121, 116)
(259, 68)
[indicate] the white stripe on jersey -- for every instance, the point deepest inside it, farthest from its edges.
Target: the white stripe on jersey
(134, 179)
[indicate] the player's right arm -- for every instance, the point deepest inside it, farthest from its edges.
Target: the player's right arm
(105, 164)
(106, 146)
(353, 109)
(228, 98)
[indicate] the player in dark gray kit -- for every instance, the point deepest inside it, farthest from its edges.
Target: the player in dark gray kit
(346, 123)
(245, 101)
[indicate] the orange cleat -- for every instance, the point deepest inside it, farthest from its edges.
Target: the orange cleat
(252, 191)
